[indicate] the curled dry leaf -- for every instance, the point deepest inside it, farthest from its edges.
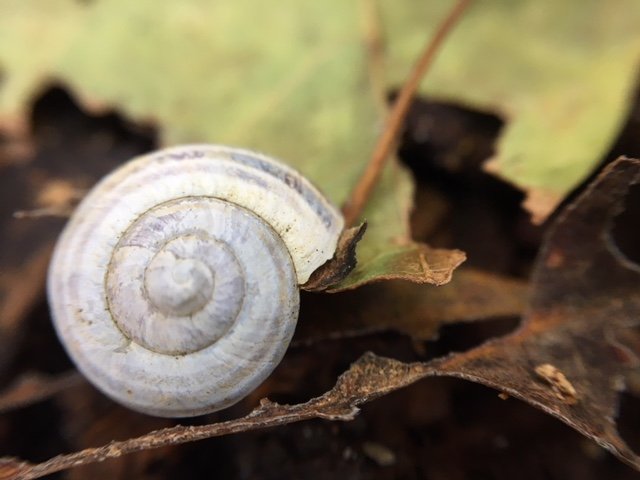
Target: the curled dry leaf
(576, 323)
(342, 263)
(584, 302)
(575, 351)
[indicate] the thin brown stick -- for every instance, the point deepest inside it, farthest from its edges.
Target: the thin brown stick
(354, 206)
(367, 379)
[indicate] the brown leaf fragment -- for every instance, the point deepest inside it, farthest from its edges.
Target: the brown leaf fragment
(367, 379)
(562, 387)
(584, 307)
(33, 387)
(11, 468)
(343, 261)
(417, 310)
(576, 322)
(383, 456)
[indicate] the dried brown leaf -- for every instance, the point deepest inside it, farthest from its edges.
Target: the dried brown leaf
(573, 354)
(417, 310)
(343, 261)
(570, 358)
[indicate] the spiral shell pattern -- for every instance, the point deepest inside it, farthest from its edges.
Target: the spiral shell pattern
(174, 286)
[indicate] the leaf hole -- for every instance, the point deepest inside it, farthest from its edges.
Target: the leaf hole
(625, 233)
(448, 137)
(457, 203)
(64, 130)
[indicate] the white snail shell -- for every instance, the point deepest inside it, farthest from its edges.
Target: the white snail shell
(174, 286)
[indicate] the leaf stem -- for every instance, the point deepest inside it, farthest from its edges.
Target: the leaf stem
(353, 207)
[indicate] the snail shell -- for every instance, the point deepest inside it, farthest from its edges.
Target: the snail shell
(174, 286)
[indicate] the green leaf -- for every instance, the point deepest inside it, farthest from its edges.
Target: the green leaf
(293, 84)
(387, 251)
(560, 73)
(291, 81)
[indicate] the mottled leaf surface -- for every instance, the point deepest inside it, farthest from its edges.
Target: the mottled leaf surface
(578, 345)
(294, 85)
(560, 73)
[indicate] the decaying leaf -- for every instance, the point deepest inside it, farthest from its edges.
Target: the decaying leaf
(416, 310)
(584, 308)
(585, 300)
(342, 263)
(415, 262)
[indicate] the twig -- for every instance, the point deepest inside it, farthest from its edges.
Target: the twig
(354, 206)
(368, 378)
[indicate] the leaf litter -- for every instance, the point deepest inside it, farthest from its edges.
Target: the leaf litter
(554, 372)
(584, 300)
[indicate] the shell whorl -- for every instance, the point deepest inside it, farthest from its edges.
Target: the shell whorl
(174, 286)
